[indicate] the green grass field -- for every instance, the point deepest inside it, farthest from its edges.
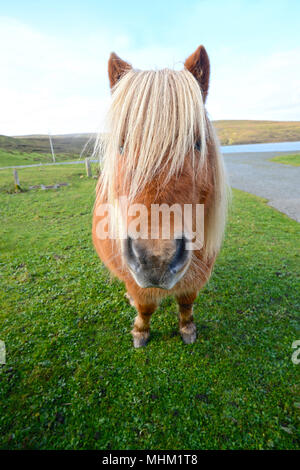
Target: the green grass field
(15, 158)
(72, 378)
(293, 160)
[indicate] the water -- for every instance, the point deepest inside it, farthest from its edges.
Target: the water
(272, 147)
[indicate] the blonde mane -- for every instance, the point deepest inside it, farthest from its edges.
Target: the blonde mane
(155, 119)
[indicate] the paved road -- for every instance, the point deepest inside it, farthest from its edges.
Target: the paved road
(254, 173)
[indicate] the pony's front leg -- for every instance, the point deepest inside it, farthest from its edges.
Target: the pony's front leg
(141, 327)
(187, 326)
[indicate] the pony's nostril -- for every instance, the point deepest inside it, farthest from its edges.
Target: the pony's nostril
(180, 257)
(130, 255)
(180, 247)
(129, 247)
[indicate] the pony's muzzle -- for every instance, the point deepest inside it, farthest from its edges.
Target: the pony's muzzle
(156, 263)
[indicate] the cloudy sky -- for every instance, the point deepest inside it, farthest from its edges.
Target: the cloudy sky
(53, 57)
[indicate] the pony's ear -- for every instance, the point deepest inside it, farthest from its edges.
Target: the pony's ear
(116, 68)
(198, 65)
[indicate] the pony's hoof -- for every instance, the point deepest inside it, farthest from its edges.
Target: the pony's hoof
(140, 338)
(189, 333)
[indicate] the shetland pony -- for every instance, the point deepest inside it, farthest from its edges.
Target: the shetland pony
(160, 151)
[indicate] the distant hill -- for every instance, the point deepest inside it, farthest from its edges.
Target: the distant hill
(229, 132)
(252, 132)
(68, 144)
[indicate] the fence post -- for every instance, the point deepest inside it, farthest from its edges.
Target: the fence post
(88, 167)
(17, 181)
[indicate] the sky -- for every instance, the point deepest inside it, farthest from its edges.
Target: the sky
(53, 57)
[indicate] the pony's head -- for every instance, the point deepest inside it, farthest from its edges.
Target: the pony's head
(160, 150)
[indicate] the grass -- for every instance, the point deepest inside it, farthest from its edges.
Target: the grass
(15, 158)
(72, 378)
(293, 160)
(36, 149)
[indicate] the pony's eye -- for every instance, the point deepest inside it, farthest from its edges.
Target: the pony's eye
(198, 146)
